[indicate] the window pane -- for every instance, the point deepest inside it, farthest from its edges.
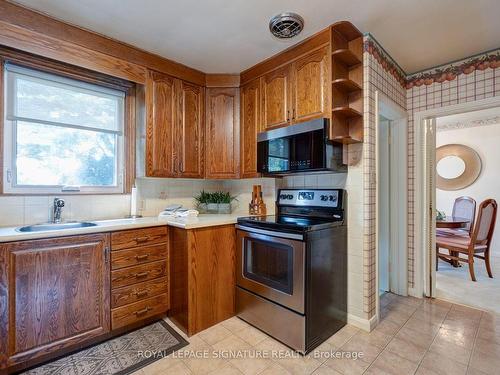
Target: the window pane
(50, 101)
(52, 155)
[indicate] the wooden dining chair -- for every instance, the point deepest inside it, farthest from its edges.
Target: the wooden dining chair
(473, 246)
(463, 207)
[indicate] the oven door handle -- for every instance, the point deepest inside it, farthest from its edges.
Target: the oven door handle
(291, 236)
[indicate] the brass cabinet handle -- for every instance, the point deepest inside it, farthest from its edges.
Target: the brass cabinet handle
(141, 274)
(143, 311)
(293, 114)
(287, 115)
(141, 239)
(141, 293)
(141, 257)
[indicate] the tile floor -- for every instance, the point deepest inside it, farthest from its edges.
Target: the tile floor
(415, 336)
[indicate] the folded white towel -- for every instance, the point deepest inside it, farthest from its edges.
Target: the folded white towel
(183, 213)
(187, 213)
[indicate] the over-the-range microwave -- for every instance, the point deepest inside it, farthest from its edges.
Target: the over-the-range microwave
(302, 147)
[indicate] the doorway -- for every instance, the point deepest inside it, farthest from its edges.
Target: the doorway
(392, 201)
(447, 127)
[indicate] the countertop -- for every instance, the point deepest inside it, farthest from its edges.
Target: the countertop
(8, 234)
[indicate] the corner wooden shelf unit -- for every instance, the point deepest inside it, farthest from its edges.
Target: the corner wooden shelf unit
(346, 43)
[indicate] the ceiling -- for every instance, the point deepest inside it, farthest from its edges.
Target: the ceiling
(229, 36)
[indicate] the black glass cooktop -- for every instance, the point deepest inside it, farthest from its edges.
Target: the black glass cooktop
(292, 223)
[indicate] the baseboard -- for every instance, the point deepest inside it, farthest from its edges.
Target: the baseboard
(365, 324)
(413, 292)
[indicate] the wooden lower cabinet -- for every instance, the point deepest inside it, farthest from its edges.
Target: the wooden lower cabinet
(202, 276)
(140, 310)
(133, 293)
(61, 294)
(139, 276)
(54, 294)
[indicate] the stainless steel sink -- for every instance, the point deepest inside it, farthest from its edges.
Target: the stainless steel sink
(60, 226)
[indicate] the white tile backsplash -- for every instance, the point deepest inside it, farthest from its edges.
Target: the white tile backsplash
(156, 194)
(24, 210)
(320, 180)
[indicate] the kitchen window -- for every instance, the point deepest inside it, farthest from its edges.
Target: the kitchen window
(61, 135)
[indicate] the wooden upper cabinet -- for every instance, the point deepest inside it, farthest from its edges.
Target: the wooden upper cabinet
(276, 90)
(174, 127)
(310, 86)
(58, 294)
(222, 133)
(161, 108)
(250, 126)
(190, 132)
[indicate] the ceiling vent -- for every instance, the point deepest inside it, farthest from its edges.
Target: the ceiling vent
(286, 25)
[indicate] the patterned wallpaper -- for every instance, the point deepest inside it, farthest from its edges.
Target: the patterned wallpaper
(382, 74)
(470, 79)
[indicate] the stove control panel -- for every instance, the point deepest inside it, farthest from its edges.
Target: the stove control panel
(310, 197)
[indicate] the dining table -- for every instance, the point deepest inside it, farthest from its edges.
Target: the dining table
(452, 222)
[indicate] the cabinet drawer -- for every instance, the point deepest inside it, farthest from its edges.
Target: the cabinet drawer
(138, 237)
(137, 256)
(135, 312)
(133, 293)
(137, 274)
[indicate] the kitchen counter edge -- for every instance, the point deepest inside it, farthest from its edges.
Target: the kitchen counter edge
(10, 234)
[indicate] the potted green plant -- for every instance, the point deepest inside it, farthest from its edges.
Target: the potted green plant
(218, 202)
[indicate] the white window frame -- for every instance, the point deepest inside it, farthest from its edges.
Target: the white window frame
(10, 185)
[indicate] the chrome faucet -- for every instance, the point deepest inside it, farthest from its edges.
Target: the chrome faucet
(57, 210)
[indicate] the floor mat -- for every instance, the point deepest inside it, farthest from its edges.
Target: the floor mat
(120, 355)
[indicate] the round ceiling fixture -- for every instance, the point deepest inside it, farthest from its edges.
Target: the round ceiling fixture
(286, 25)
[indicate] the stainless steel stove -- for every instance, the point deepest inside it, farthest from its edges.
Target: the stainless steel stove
(292, 268)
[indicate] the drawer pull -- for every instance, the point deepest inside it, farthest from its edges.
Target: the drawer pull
(140, 275)
(141, 257)
(142, 239)
(141, 293)
(143, 311)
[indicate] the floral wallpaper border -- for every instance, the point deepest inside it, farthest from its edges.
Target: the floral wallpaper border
(440, 74)
(450, 72)
(384, 59)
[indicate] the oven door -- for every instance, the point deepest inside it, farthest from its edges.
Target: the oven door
(272, 267)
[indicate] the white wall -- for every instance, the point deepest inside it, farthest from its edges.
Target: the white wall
(485, 140)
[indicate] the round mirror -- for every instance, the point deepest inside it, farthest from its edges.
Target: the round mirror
(450, 167)
(457, 166)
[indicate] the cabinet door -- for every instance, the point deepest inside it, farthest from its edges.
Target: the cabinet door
(250, 125)
(58, 294)
(276, 98)
(310, 88)
(161, 156)
(190, 130)
(222, 133)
